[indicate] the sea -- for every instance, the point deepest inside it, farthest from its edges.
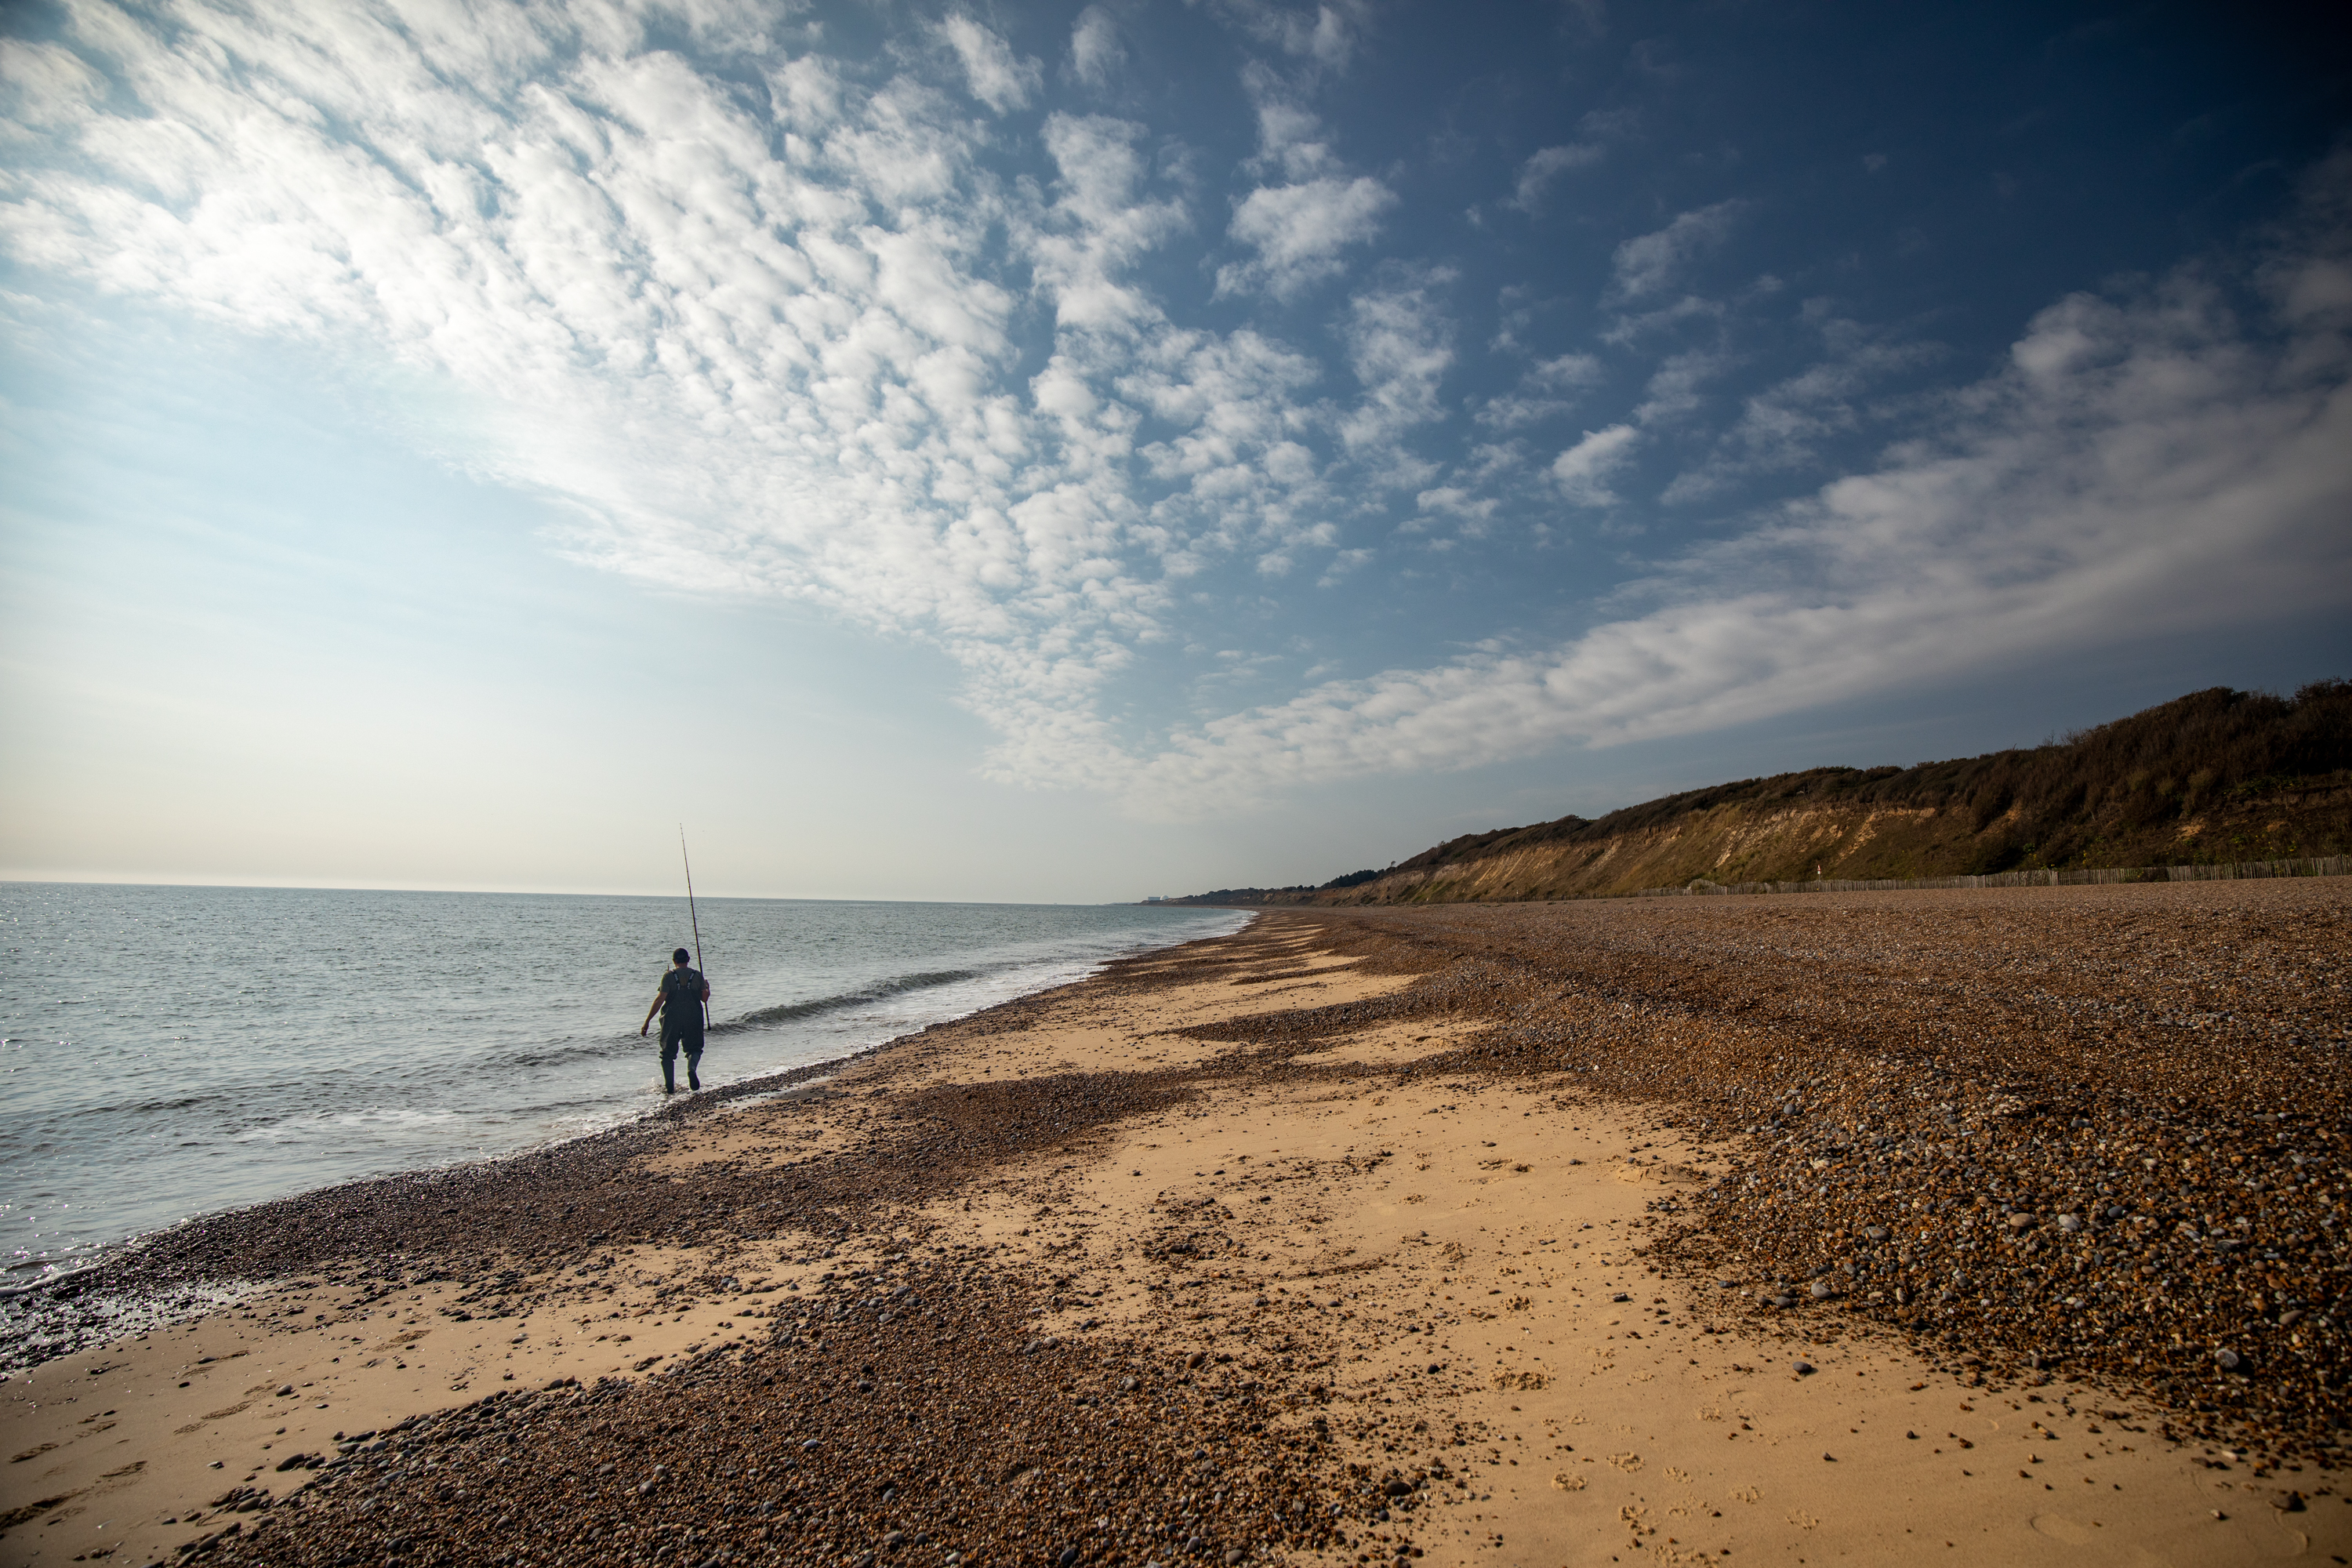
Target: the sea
(174, 1051)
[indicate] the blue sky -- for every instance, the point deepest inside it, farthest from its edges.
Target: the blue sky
(1078, 451)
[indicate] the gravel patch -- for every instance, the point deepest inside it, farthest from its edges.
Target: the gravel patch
(2046, 1133)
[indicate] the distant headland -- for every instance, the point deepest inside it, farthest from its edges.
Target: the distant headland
(2216, 778)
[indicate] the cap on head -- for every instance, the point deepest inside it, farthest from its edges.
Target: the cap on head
(681, 956)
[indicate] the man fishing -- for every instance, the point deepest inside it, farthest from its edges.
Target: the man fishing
(680, 1001)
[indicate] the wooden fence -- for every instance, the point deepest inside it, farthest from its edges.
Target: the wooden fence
(2331, 866)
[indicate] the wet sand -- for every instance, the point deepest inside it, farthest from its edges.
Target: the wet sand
(1351, 1237)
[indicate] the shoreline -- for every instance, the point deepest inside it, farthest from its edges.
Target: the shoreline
(1354, 1235)
(97, 1272)
(133, 1281)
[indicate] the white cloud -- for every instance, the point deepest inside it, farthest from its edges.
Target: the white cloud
(998, 79)
(1567, 373)
(1782, 428)
(1400, 344)
(1582, 470)
(1550, 389)
(1673, 392)
(1325, 33)
(1546, 166)
(736, 365)
(43, 87)
(1648, 263)
(1100, 223)
(1299, 232)
(2137, 453)
(1096, 54)
(1472, 513)
(1343, 562)
(1298, 228)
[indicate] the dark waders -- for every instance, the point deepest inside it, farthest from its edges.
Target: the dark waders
(686, 1032)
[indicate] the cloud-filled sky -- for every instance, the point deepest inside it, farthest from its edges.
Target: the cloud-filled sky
(1073, 451)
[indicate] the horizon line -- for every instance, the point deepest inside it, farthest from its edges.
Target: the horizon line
(11, 878)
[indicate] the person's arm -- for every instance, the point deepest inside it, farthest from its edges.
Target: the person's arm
(659, 997)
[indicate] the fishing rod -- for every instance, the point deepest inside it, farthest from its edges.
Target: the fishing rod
(695, 918)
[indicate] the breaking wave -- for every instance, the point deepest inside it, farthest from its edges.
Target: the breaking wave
(880, 991)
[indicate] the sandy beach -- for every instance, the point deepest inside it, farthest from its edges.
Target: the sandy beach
(1972, 1226)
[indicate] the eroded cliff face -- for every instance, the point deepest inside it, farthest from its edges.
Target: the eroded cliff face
(1745, 843)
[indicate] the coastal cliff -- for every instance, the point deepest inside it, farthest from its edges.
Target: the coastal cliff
(2215, 777)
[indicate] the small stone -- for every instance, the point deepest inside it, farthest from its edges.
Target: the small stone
(1621, 1296)
(2021, 1222)
(1197, 1359)
(1823, 1289)
(285, 1391)
(1781, 1300)
(1233, 1557)
(1802, 1368)
(1069, 1555)
(2228, 1359)
(1875, 1233)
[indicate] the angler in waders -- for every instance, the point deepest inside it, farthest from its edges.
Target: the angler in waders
(680, 1001)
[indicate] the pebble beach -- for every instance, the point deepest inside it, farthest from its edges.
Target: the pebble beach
(2002, 1225)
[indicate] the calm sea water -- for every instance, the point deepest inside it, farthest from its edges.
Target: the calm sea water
(170, 1051)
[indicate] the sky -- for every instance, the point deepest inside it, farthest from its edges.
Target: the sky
(1077, 452)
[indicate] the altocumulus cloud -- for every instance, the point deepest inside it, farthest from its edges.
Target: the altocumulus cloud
(2147, 452)
(756, 316)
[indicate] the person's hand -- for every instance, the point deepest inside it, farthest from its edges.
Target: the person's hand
(641, 1030)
